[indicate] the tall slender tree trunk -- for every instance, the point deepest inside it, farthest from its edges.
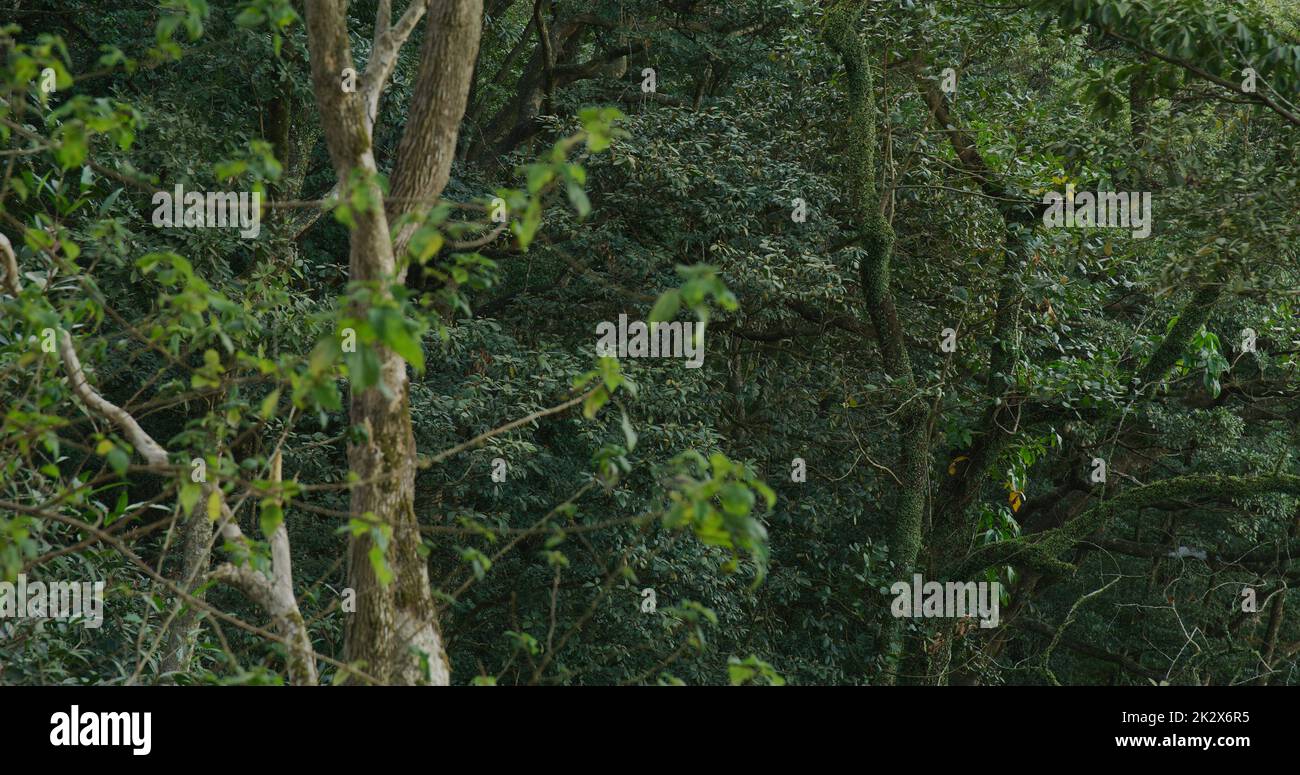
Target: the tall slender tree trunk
(876, 237)
(393, 635)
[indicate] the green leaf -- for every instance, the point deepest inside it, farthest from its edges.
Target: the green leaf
(526, 228)
(666, 306)
(578, 198)
(271, 517)
(393, 331)
(267, 409)
(737, 499)
(598, 398)
(119, 460)
(611, 373)
(380, 565)
(740, 673)
(189, 496)
(73, 145)
(629, 433)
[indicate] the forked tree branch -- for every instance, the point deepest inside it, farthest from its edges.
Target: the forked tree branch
(383, 54)
(275, 595)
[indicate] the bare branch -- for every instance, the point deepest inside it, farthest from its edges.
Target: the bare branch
(479, 440)
(10, 267)
(253, 584)
(383, 55)
(140, 439)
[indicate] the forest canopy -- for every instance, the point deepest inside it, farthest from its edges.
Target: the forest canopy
(685, 342)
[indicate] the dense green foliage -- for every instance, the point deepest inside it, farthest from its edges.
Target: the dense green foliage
(823, 341)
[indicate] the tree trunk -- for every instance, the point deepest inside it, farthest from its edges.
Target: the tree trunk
(393, 634)
(876, 237)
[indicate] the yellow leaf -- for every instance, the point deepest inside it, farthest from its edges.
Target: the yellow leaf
(104, 447)
(214, 504)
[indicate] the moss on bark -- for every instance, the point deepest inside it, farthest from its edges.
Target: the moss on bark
(876, 239)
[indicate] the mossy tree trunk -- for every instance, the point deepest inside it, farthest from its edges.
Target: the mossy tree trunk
(875, 237)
